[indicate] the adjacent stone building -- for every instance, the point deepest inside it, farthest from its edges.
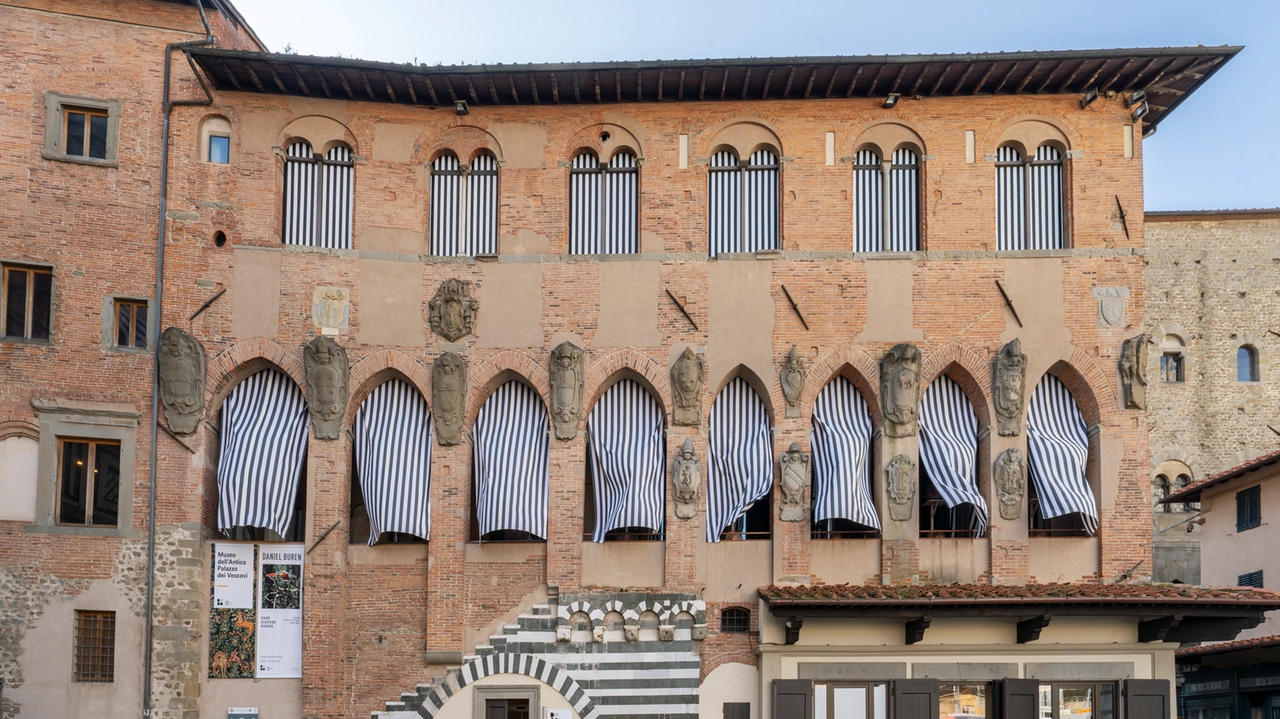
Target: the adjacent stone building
(733, 388)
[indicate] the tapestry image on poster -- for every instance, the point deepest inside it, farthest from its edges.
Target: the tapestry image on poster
(280, 611)
(232, 615)
(282, 586)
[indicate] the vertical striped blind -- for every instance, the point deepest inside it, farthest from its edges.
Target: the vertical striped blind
(262, 447)
(604, 205)
(464, 207)
(741, 452)
(886, 202)
(318, 196)
(842, 456)
(1059, 447)
(1030, 212)
(393, 460)
(949, 446)
(742, 203)
(624, 435)
(511, 461)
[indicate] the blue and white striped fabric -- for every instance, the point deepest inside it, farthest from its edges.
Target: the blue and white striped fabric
(393, 460)
(1029, 200)
(760, 202)
(299, 211)
(262, 448)
(842, 456)
(1059, 447)
(464, 223)
(318, 196)
(740, 470)
(742, 203)
(949, 447)
(1045, 225)
(868, 204)
(604, 205)
(624, 433)
(511, 461)
(336, 201)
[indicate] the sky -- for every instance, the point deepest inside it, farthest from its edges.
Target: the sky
(1218, 150)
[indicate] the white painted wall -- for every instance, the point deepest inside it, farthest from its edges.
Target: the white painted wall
(730, 682)
(18, 460)
(1225, 554)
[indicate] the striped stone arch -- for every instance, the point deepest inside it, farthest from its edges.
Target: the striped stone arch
(512, 663)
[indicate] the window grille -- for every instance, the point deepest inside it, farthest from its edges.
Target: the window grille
(1249, 508)
(318, 192)
(887, 202)
(604, 205)
(27, 302)
(1030, 203)
(735, 620)
(95, 647)
(742, 203)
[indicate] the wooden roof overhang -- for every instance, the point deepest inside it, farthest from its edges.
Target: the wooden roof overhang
(1168, 75)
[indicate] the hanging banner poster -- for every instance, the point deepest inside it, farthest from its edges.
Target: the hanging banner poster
(232, 611)
(280, 611)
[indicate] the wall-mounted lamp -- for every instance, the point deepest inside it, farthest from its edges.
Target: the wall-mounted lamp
(1140, 110)
(1137, 97)
(892, 99)
(460, 106)
(1088, 98)
(1150, 131)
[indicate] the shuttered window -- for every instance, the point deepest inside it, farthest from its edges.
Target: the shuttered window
(393, 460)
(510, 465)
(741, 463)
(1249, 508)
(604, 205)
(887, 202)
(742, 203)
(1058, 444)
(464, 207)
(842, 458)
(1251, 579)
(318, 192)
(948, 455)
(262, 448)
(1030, 205)
(624, 440)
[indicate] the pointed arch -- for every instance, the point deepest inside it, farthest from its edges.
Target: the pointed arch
(377, 368)
(842, 457)
(246, 357)
(498, 368)
(854, 364)
(626, 461)
(740, 461)
(966, 368)
(510, 462)
(949, 459)
(392, 459)
(1059, 453)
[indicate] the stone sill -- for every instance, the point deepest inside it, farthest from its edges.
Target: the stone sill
(80, 159)
(82, 531)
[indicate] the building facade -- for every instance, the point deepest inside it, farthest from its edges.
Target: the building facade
(725, 388)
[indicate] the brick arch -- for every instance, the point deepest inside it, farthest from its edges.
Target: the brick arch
(374, 369)
(496, 369)
(321, 132)
(244, 358)
(770, 393)
(513, 663)
(969, 369)
(626, 363)
(461, 138)
(990, 136)
(854, 364)
(19, 426)
(1088, 384)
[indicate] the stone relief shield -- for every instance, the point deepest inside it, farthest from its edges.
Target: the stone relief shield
(686, 384)
(686, 476)
(795, 477)
(1011, 482)
(453, 311)
(900, 390)
(1010, 389)
(181, 380)
(900, 482)
(326, 364)
(1133, 372)
(448, 397)
(567, 366)
(792, 381)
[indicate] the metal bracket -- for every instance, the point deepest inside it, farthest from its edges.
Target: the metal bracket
(1009, 302)
(915, 629)
(683, 311)
(795, 307)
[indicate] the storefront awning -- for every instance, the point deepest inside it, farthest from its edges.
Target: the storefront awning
(1229, 655)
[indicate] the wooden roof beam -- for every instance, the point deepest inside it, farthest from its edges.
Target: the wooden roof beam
(938, 83)
(791, 76)
(1005, 79)
(853, 81)
(1030, 74)
(254, 77)
(301, 83)
(276, 77)
(960, 83)
(234, 80)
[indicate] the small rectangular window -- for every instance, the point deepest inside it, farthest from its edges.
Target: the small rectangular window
(86, 132)
(1252, 579)
(95, 648)
(737, 710)
(1249, 508)
(219, 149)
(89, 483)
(131, 324)
(964, 701)
(1172, 368)
(28, 302)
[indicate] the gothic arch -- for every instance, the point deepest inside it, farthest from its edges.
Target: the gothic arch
(373, 370)
(854, 364)
(967, 368)
(495, 370)
(626, 363)
(244, 358)
(761, 387)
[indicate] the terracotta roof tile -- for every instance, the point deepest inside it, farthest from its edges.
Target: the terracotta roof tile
(1079, 592)
(1192, 491)
(1222, 647)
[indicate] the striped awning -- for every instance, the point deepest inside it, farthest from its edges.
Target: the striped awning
(263, 446)
(1059, 447)
(949, 446)
(511, 447)
(393, 460)
(741, 454)
(624, 435)
(842, 456)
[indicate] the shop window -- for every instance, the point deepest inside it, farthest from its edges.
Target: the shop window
(735, 620)
(27, 304)
(851, 700)
(964, 701)
(89, 483)
(81, 129)
(95, 647)
(1078, 701)
(1249, 508)
(131, 324)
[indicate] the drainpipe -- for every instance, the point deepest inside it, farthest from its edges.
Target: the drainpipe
(166, 107)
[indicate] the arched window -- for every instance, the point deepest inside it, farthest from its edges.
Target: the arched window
(887, 202)
(1030, 212)
(510, 466)
(1184, 481)
(950, 503)
(735, 620)
(842, 502)
(318, 194)
(1062, 502)
(262, 453)
(464, 207)
(742, 202)
(1172, 359)
(604, 205)
(626, 477)
(740, 470)
(391, 484)
(1160, 490)
(1247, 364)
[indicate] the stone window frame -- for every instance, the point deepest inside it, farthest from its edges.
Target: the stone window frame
(110, 312)
(55, 106)
(20, 264)
(1158, 336)
(215, 126)
(64, 419)
(531, 692)
(1247, 340)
